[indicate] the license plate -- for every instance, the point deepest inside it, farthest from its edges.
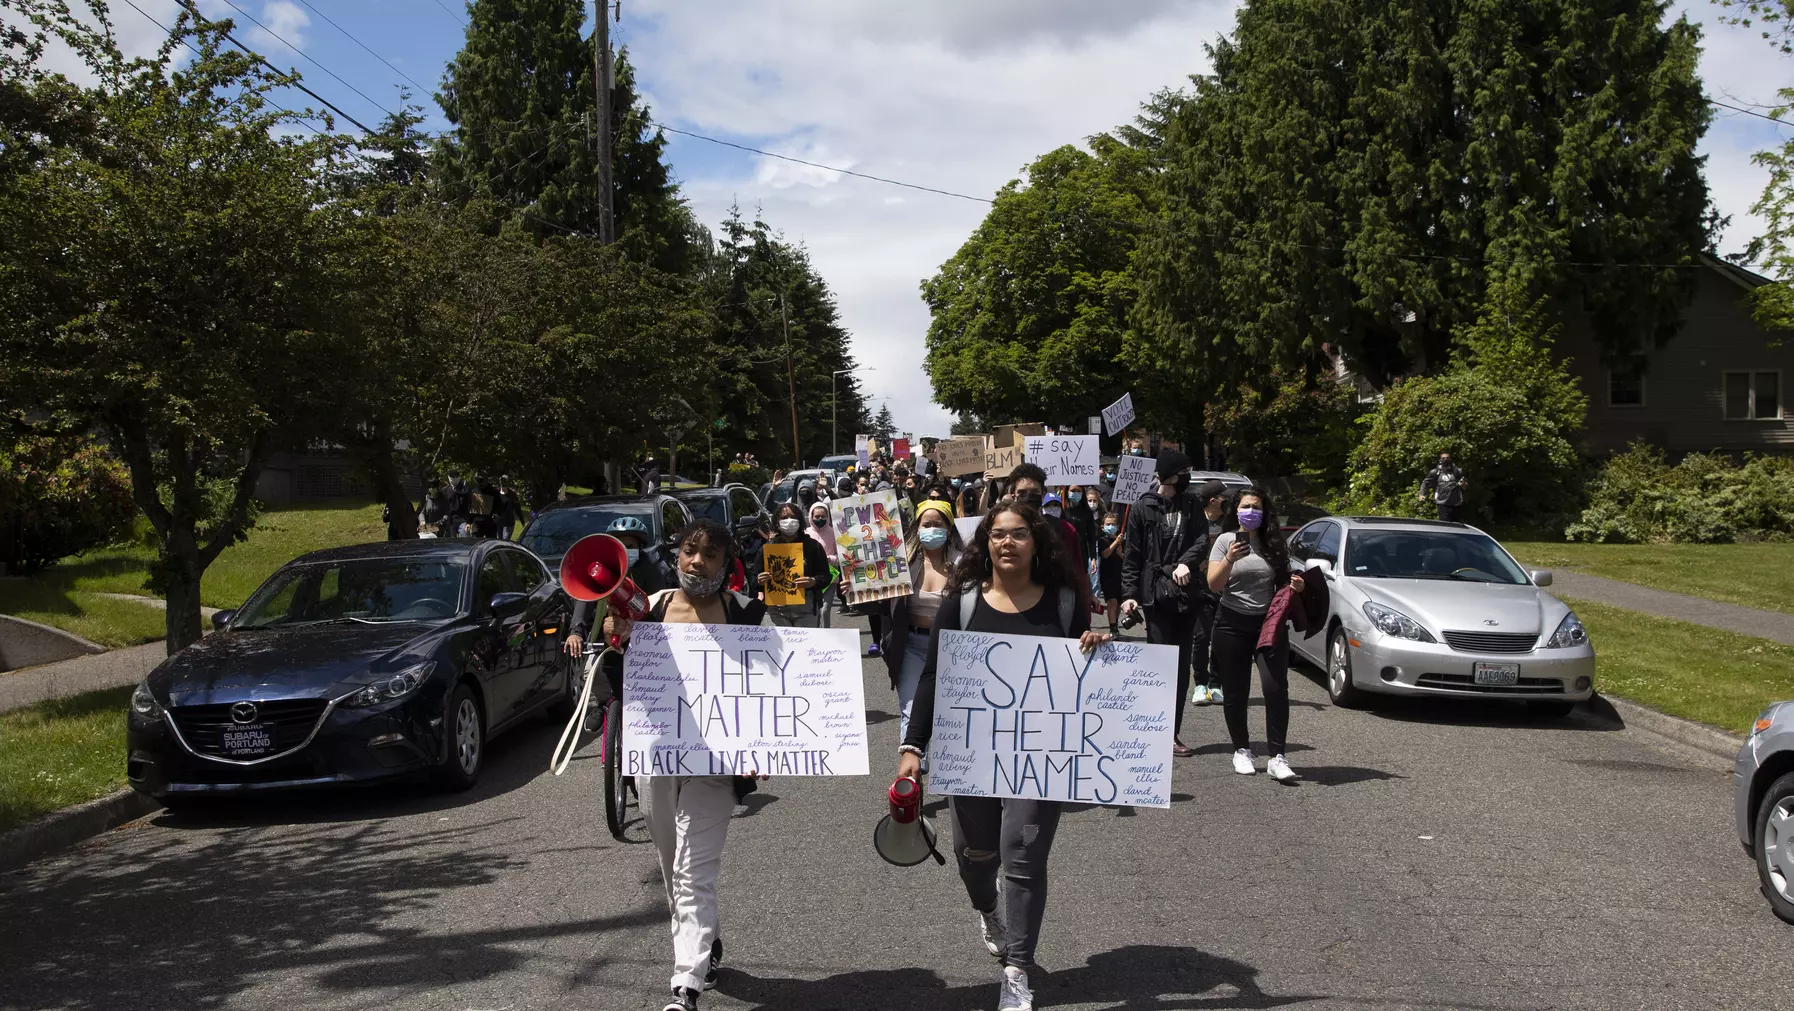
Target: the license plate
(1497, 673)
(248, 740)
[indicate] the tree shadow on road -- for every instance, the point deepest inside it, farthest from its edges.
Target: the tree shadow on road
(1132, 978)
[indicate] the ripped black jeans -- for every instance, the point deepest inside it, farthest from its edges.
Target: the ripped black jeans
(1014, 835)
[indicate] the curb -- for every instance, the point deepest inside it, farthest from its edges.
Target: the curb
(1714, 747)
(61, 829)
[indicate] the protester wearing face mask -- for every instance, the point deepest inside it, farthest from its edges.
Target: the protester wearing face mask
(933, 548)
(688, 816)
(788, 523)
(1247, 567)
(1028, 484)
(1165, 543)
(822, 531)
(1211, 499)
(1111, 539)
(643, 570)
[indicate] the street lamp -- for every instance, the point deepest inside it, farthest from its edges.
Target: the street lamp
(833, 403)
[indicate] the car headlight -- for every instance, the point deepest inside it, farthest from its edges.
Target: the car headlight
(144, 704)
(389, 687)
(1765, 720)
(1569, 633)
(1392, 622)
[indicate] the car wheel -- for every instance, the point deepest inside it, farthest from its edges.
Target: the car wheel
(1775, 846)
(1339, 672)
(1552, 710)
(466, 740)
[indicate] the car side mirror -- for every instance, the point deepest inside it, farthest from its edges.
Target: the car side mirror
(507, 605)
(1322, 564)
(1541, 577)
(222, 618)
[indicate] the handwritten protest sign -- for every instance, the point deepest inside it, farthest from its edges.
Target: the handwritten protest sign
(899, 448)
(959, 457)
(869, 536)
(1120, 414)
(730, 700)
(1134, 477)
(785, 564)
(1094, 425)
(1067, 459)
(1000, 459)
(862, 448)
(1033, 716)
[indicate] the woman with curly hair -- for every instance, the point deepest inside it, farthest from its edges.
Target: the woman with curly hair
(1014, 578)
(1246, 566)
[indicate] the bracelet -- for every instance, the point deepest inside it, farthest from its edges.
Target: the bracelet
(910, 749)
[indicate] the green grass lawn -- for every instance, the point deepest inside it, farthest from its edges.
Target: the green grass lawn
(1687, 670)
(59, 753)
(64, 595)
(1753, 575)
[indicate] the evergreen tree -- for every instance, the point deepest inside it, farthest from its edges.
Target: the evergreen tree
(520, 95)
(884, 426)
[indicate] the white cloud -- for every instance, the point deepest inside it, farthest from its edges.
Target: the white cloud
(282, 29)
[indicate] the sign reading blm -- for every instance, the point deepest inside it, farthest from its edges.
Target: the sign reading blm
(1035, 717)
(738, 700)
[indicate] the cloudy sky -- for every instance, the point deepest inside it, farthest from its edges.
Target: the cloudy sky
(952, 94)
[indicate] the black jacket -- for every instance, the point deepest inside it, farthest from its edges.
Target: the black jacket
(1162, 534)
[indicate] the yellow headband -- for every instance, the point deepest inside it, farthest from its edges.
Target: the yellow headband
(935, 503)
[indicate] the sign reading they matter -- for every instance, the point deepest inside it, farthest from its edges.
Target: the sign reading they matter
(738, 700)
(1034, 716)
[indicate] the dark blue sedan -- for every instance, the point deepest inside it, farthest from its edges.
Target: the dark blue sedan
(355, 665)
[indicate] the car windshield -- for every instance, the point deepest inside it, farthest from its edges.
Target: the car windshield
(1428, 554)
(554, 532)
(362, 589)
(709, 507)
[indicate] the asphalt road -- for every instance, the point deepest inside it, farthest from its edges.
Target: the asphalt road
(1432, 856)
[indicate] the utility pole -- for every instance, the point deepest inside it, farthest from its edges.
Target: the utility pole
(602, 71)
(797, 453)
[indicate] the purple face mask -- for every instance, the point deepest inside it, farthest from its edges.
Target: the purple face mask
(1250, 519)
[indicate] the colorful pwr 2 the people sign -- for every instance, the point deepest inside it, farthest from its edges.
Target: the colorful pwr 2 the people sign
(1067, 459)
(869, 536)
(1033, 716)
(739, 700)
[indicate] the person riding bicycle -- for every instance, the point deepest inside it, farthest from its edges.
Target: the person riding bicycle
(642, 569)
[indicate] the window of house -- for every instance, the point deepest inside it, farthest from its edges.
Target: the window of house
(1753, 396)
(1626, 383)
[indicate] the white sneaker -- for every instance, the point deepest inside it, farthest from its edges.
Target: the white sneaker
(996, 939)
(1279, 769)
(1199, 696)
(1214, 696)
(1015, 996)
(1242, 762)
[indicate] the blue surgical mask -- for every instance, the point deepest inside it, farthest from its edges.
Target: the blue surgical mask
(933, 538)
(1110, 529)
(635, 555)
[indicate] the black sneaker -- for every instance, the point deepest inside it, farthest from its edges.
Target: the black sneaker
(716, 962)
(684, 999)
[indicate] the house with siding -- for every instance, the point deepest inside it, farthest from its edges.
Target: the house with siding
(1719, 384)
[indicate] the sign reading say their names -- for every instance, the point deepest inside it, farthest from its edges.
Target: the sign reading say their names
(1120, 414)
(738, 700)
(1036, 717)
(1134, 477)
(1067, 459)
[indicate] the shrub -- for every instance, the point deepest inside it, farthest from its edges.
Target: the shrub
(1507, 410)
(1638, 498)
(753, 476)
(60, 496)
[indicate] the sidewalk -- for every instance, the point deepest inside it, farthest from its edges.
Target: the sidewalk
(83, 674)
(1772, 625)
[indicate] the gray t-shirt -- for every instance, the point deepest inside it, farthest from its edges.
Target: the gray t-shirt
(1251, 583)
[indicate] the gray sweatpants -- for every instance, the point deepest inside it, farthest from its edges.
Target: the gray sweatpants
(1017, 836)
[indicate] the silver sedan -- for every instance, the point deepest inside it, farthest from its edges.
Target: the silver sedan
(1763, 788)
(1422, 607)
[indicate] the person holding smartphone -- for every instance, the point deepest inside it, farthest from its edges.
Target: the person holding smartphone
(1246, 567)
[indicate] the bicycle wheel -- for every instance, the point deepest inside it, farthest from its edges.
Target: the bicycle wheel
(616, 797)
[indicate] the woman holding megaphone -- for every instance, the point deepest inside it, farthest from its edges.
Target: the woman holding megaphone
(1014, 578)
(688, 816)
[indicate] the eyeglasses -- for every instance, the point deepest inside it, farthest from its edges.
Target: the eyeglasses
(1019, 535)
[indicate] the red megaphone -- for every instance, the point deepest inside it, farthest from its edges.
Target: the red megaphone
(596, 567)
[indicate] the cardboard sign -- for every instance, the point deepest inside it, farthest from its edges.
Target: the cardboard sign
(785, 564)
(1033, 716)
(1001, 459)
(1120, 414)
(1067, 459)
(961, 456)
(734, 700)
(869, 537)
(1134, 477)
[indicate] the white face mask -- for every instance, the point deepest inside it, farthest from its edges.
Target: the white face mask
(788, 526)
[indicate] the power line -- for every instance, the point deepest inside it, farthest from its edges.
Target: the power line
(451, 13)
(309, 59)
(830, 168)
(170, 32)
(1750, 112)
(364, 46)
